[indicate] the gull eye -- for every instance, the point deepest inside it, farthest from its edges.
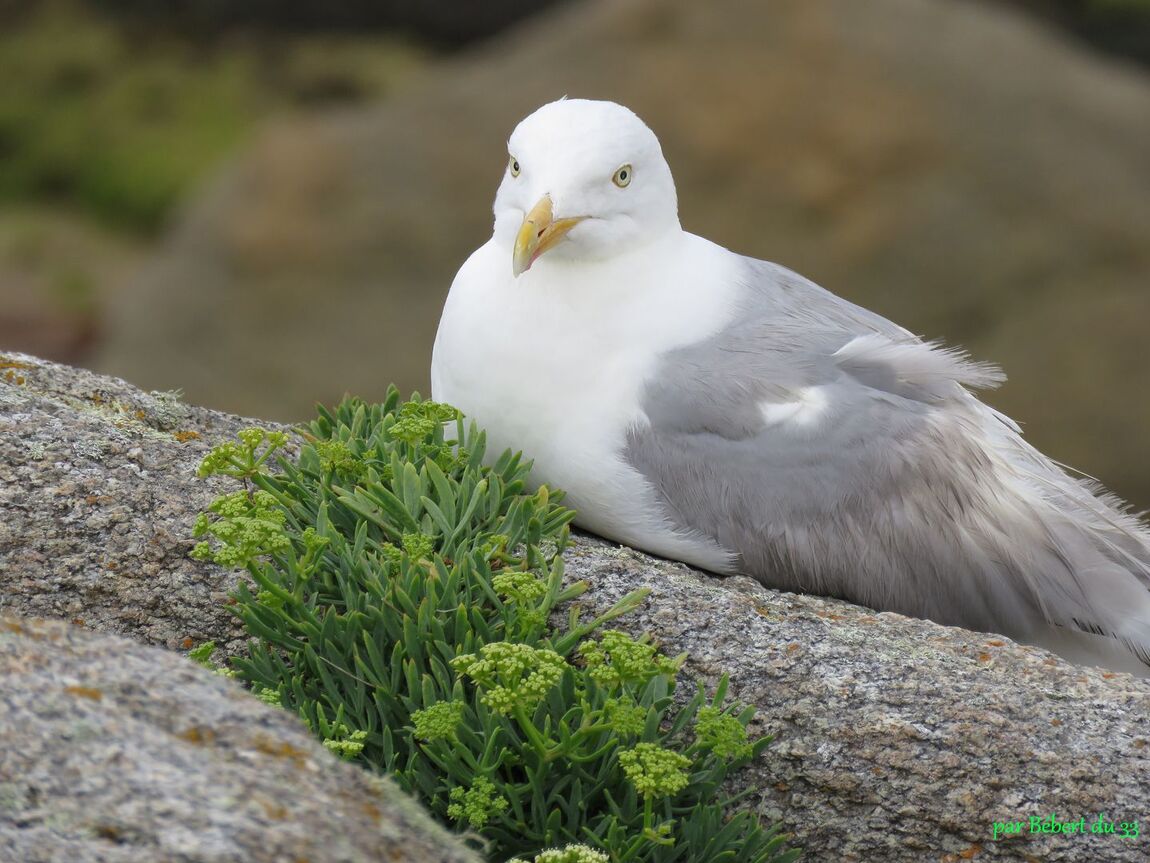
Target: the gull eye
(622, 177)
(513, 167)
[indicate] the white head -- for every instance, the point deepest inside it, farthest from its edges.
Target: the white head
(584, 181)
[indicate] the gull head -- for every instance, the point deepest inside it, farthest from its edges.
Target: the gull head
(585, 181)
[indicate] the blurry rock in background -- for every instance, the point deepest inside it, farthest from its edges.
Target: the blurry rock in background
(107, 122)
(53, 266)
(448, 22)
(959, 167)
(965, 167)
(1120, 27)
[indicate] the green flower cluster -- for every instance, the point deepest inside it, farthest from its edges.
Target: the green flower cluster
(336, 736)
(337, 457)
(626, 717)
(247, 525)
(521, 587)
(655, 771)
(527, 593)
(617, 659)
(440, 721)
(418, 420)
(244, 457)
(268, 696)
(512, 676)
(478, 804)
(349, 745)
(416, 546)
(723, 734)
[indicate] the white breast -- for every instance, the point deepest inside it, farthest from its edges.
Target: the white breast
(553, 363)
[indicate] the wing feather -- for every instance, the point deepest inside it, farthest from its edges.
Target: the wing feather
(901, 491)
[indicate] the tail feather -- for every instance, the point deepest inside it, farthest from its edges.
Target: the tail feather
(1103, 550)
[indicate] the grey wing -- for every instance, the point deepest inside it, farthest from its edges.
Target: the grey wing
(837, 454)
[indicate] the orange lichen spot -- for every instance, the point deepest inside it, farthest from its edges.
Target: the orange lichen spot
(1055, 722)
(1139, 743)
(96, 399)
(984, 657)
(996, 643)
(782, 786)
(969, 853)
(78, 621)
(109, 831)
(1106, 675)
(274, 811)
(197, 734)
(280, 749)
(85, 692)
(791, 648)
(188, 643)
(140, 415)
(185, 436)
(14, 378)
(15, 364)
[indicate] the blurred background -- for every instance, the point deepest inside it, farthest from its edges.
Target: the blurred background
(263, 202)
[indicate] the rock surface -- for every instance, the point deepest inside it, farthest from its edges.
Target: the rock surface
(113, 752)
(450, 21)
(898, 740)
(97, 481)
(957, 166)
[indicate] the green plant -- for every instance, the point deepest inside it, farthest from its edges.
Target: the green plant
(401, 597)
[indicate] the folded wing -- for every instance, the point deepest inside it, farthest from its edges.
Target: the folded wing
(837, 454)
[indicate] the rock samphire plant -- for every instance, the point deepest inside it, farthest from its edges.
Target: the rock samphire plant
(401, 600)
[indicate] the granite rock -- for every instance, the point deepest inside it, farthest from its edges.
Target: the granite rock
(897, 739)
(97, 486)
(115, 752)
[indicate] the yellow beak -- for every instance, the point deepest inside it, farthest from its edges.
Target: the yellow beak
(538, 234)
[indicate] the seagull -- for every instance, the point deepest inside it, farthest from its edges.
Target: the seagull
(726, 412)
